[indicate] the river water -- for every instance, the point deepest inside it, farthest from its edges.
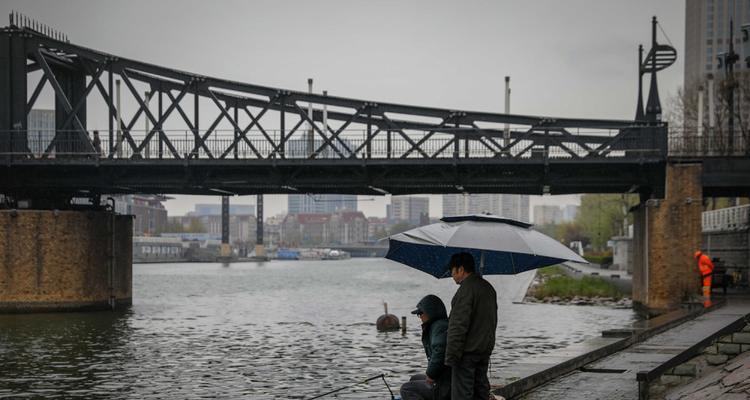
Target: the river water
(283, 329)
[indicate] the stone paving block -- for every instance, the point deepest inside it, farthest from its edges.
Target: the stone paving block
(729, 348)
(739, 375)
(656, 387)
(742, 359)
(711, 350)
(687, 369)
(746, 328)
(734, 396)
(696, 385)
(670, 380)
(716, 359)
(707, 393)
(744, 347)
(741, 388)
(741, 337)
(725, 339)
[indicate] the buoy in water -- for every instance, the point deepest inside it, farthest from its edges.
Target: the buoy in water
(387, 322)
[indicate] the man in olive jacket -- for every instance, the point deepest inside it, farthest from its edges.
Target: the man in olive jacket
(435, 382)
(471, 331)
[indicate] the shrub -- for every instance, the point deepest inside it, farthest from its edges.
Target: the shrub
(604, 259)
(566, 287)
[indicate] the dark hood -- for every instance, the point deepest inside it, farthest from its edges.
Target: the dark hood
(433, 307)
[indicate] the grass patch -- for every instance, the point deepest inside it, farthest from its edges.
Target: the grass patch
(556, 284)
(550, 272)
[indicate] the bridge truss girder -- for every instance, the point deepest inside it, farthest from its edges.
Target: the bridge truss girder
(279, 141)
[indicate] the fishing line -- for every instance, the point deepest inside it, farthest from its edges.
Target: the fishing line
(381, 376)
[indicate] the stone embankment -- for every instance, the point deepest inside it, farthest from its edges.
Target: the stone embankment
(721, 371)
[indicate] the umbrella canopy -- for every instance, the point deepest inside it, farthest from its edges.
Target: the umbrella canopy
(499, 246)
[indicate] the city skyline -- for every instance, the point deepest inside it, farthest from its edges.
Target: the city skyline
(364, 204)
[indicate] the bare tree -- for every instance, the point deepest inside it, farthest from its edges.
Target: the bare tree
(681, 113)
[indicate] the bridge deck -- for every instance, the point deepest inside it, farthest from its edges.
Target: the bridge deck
(352, 176)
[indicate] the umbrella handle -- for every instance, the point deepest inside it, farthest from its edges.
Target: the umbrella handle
(481, 263)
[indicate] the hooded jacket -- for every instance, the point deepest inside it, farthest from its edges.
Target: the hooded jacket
(434, 337)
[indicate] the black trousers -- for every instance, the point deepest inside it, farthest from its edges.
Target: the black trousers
(469, 378)
(417, 389)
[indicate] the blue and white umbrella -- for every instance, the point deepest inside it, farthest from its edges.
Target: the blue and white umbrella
(499, 246)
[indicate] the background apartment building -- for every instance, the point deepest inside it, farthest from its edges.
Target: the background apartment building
(504, 205)
(707, 38)
(321, 203)
(150, 216)
(341, 227)
(412, 209)
(207, 219)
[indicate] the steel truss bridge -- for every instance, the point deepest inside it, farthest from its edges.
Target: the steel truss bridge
(195, 134)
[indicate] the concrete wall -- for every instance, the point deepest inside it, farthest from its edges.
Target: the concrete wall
(667, 233)
(733, 247)
(60, 260)
(622, 254)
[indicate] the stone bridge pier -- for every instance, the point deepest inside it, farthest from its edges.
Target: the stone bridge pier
(53, 260)
(666, 234)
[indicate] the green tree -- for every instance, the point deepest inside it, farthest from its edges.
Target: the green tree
(196, 226)
(380, 233)
(602, 216)
(547, 229)
(571, 232)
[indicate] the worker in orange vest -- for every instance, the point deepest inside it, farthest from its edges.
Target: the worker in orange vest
(706, 268)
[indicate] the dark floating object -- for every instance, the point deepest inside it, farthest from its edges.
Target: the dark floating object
(387, 322)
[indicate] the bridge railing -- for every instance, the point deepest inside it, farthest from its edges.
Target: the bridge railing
(724, 219)
(715, 145)
(267, 144)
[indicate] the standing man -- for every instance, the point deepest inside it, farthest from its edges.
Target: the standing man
(97, 143)
(707, 269)
(471, 330)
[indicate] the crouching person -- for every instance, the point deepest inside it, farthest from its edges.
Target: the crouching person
(435, 383)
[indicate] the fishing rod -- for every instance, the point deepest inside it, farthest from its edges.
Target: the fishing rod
(381, 376)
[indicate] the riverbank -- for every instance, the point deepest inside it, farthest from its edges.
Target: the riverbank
(553, 286)
(652, 355)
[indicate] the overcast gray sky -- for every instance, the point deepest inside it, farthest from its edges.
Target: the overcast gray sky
(573, 58)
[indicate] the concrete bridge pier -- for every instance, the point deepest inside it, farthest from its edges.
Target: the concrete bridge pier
(666, 234)
(52, 260)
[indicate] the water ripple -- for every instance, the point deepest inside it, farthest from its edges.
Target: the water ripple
(281, 330)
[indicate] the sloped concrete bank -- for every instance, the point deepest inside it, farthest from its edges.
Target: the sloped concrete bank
(580, 355)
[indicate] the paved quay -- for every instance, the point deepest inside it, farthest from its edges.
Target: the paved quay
(614, 376)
